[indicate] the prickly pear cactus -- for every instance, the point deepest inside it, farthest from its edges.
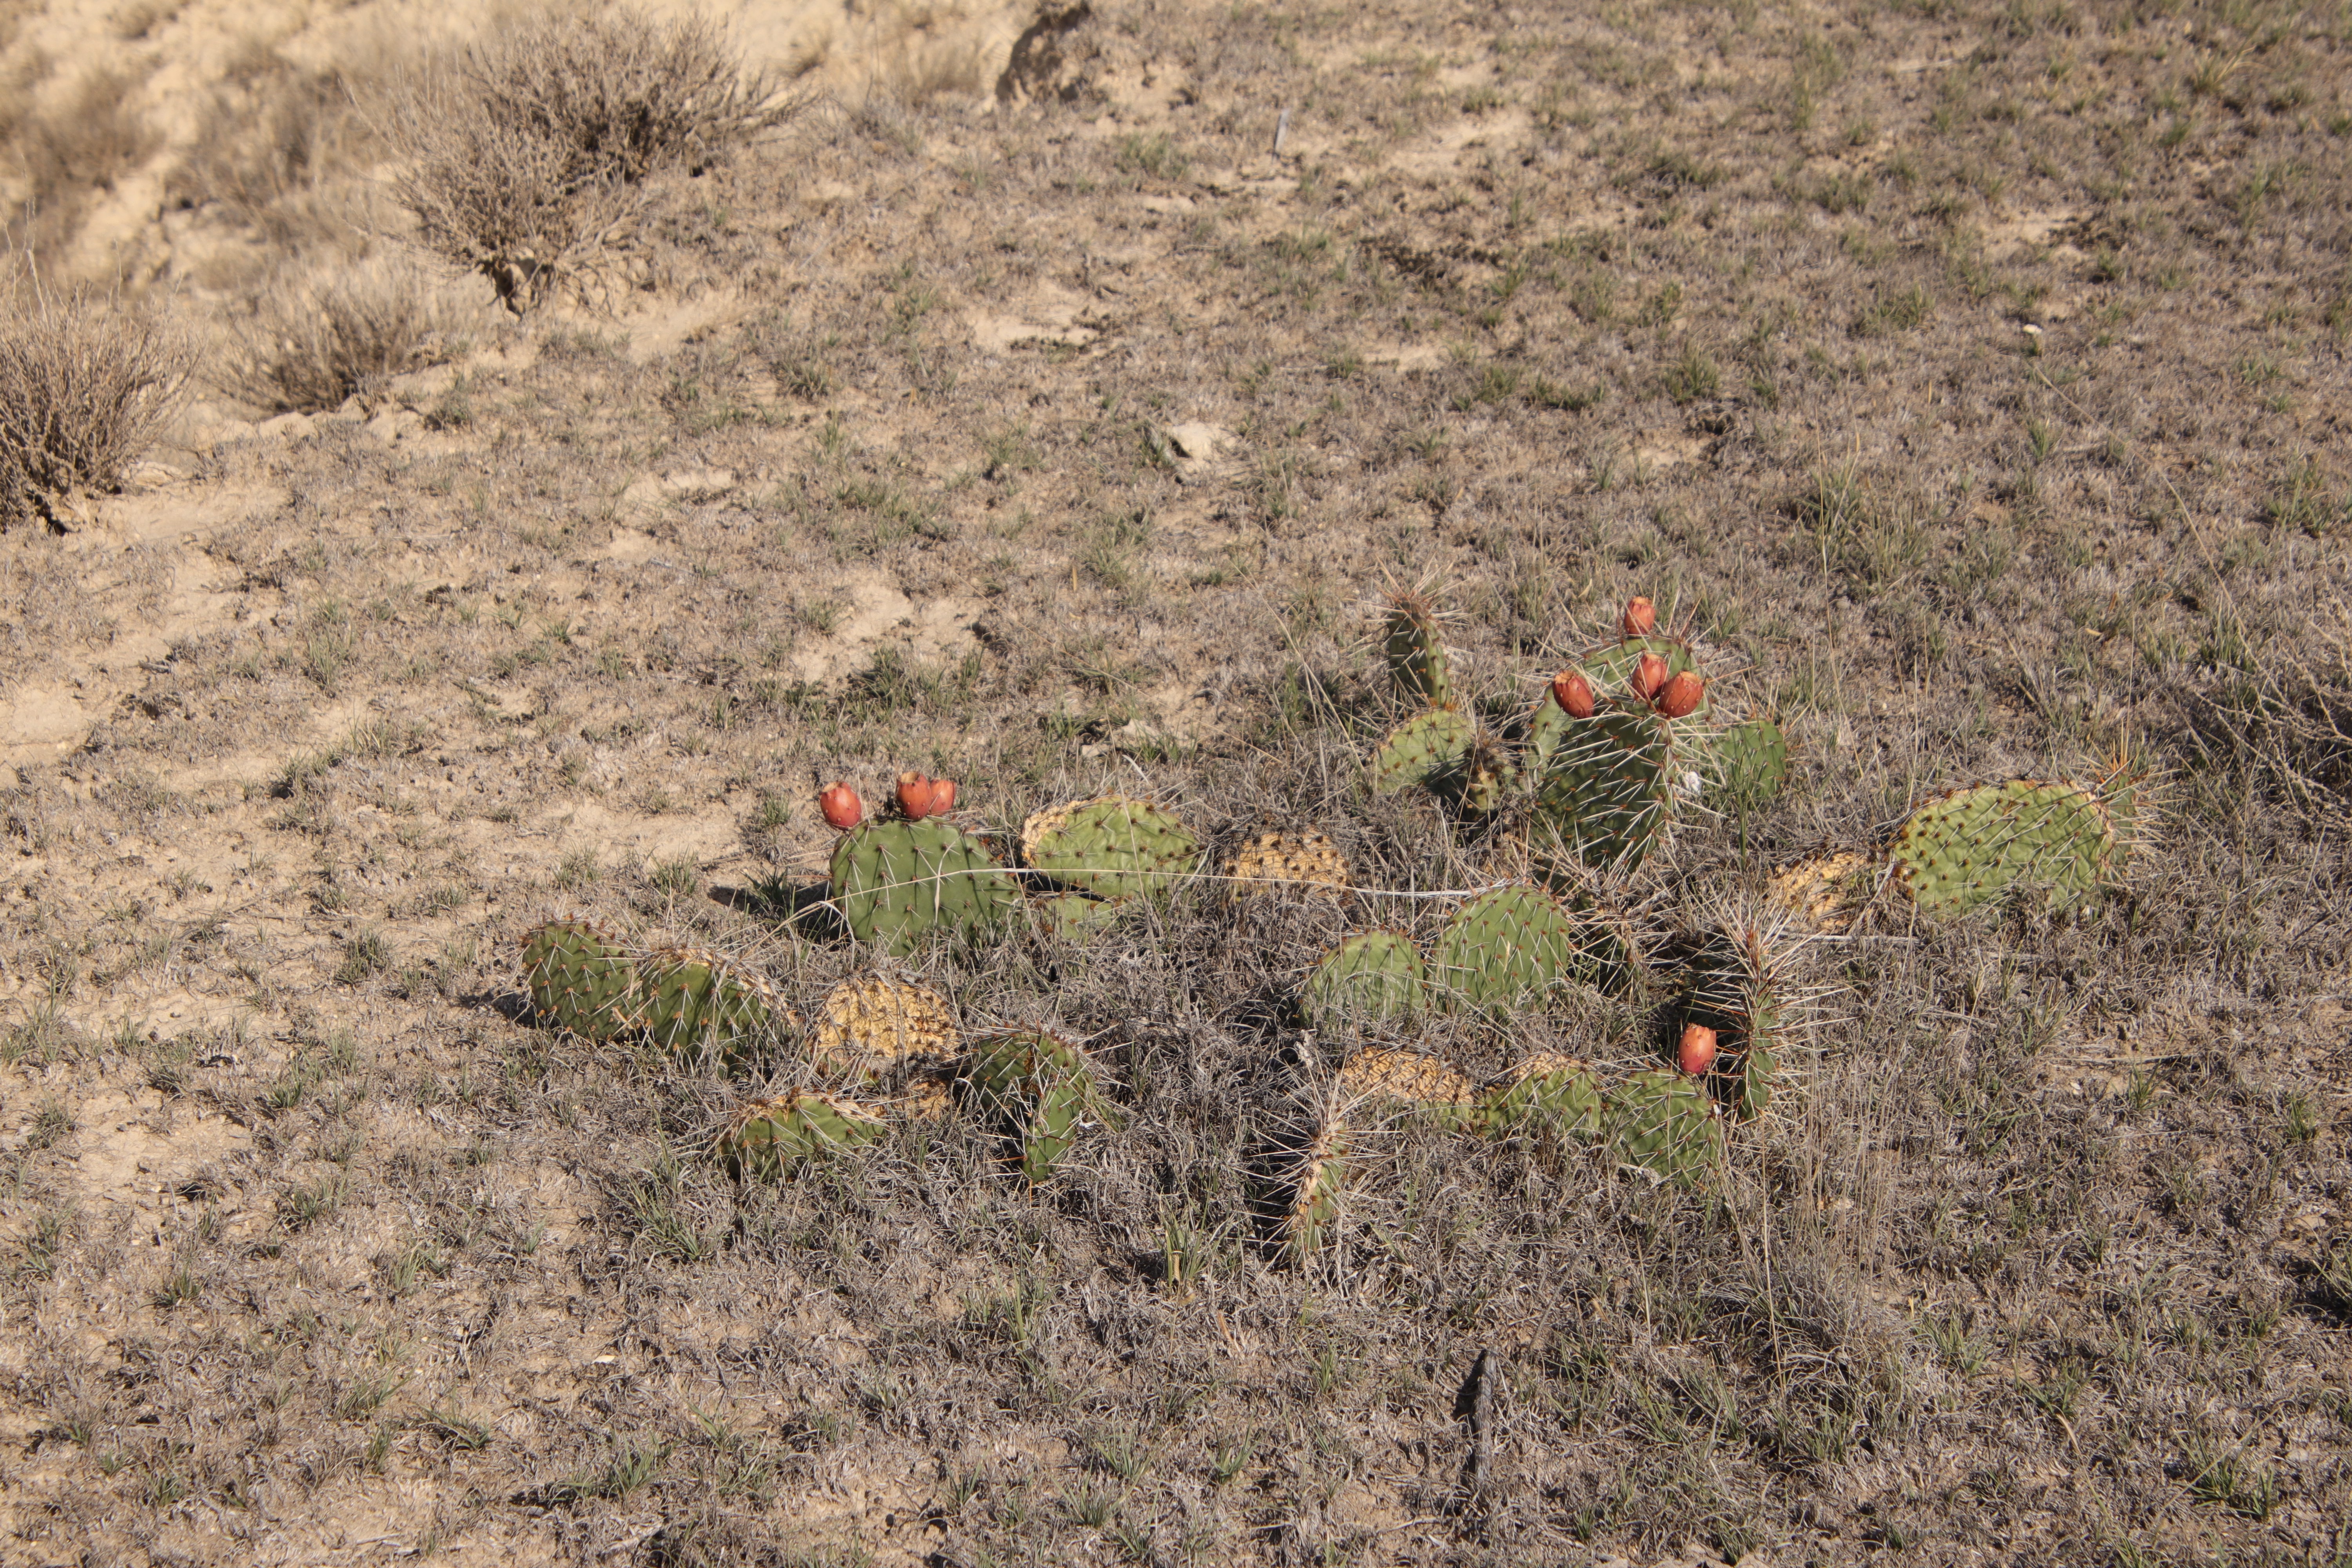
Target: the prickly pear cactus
(872, 1028)
(1610, 667)
(1304, 864)
(1410, 643)
(1548, 728)
(1435, 1092)
(1489, 776)
(1503, 950)
(897, 882)
(1297, 1182)
(1114, 846)
(1036, 1090)
(580, 978)
(1607, 794)
(700, 1002)
(1546, 1094)
(1735, 988)
(768, 1136)
(1074, 917)
(1664, 1123)
(1751, 760)
(1972, 846)
(1373, 975)
(1430, 747)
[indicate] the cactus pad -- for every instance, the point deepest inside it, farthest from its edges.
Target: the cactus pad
(1607, 794)
(1751, 760)
(1827, 891)
(1304, 864)
(699, 1002)
(1664, 1123)
(895, 881)
(1430, 745)
(1547, 1093)
(1113, 846)
(1415, 655)
(1300, 1181)
(1436, 1090)
(1373, 975)
(1972, 847)
(768, 1135)
(1735, 989)
(871, 1028)
(580, 978)
(1037, 1090)
(1489, 778)
(1505, 948)
(1074, 917)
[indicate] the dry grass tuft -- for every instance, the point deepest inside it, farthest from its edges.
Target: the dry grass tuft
(85, 380)
(314, 344)
(525, 153)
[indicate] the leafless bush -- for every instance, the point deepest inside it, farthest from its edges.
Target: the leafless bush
(526, 154)
(85, 379)
(312, 345)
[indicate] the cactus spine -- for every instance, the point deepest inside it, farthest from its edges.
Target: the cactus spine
(698, 1002)
(1114, 846)
(1973, 846)
(897, 882)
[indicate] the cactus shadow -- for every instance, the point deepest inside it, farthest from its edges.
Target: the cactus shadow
(514, 1007)
(800, 907)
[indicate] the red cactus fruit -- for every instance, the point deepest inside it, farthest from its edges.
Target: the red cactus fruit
(1573, 693)
(1649, 676)
(914, 795)
(1680, 697)
(841, 806)
(1697, 1051)
(942, 796)
(1641, 617)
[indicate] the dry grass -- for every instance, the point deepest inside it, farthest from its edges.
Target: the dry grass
(526, 154)
(314, 343)
(85, 380)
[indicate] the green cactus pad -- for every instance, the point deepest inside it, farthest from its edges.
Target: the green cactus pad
(1037, 1092)
(1114, 846)
(1549, 1094)
(1506, 947)
(1430, 746)
(580, 978)
(1297, 1186)
(1607, 794)
(895, 882)
(1733, 988)
(1416, 658)
(1489, 778)
(1548, 728)
(698, 1002)
(1751, 760)
(1972, 846)
(767, 1136)
(1373, 975)
(1664, 1123)
(1074, 917)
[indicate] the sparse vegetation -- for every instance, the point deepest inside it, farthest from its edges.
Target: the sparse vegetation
(1065, 448)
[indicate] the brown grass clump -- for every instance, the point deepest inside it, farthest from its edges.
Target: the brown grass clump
(525, 153)
(313, 345)
(84, 383)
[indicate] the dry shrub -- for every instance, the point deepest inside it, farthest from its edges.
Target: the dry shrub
(314, 343)
(85, 380)
(527, 153)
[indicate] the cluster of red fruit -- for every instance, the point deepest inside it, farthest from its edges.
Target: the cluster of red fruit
(1676, 697)
(920, 796)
